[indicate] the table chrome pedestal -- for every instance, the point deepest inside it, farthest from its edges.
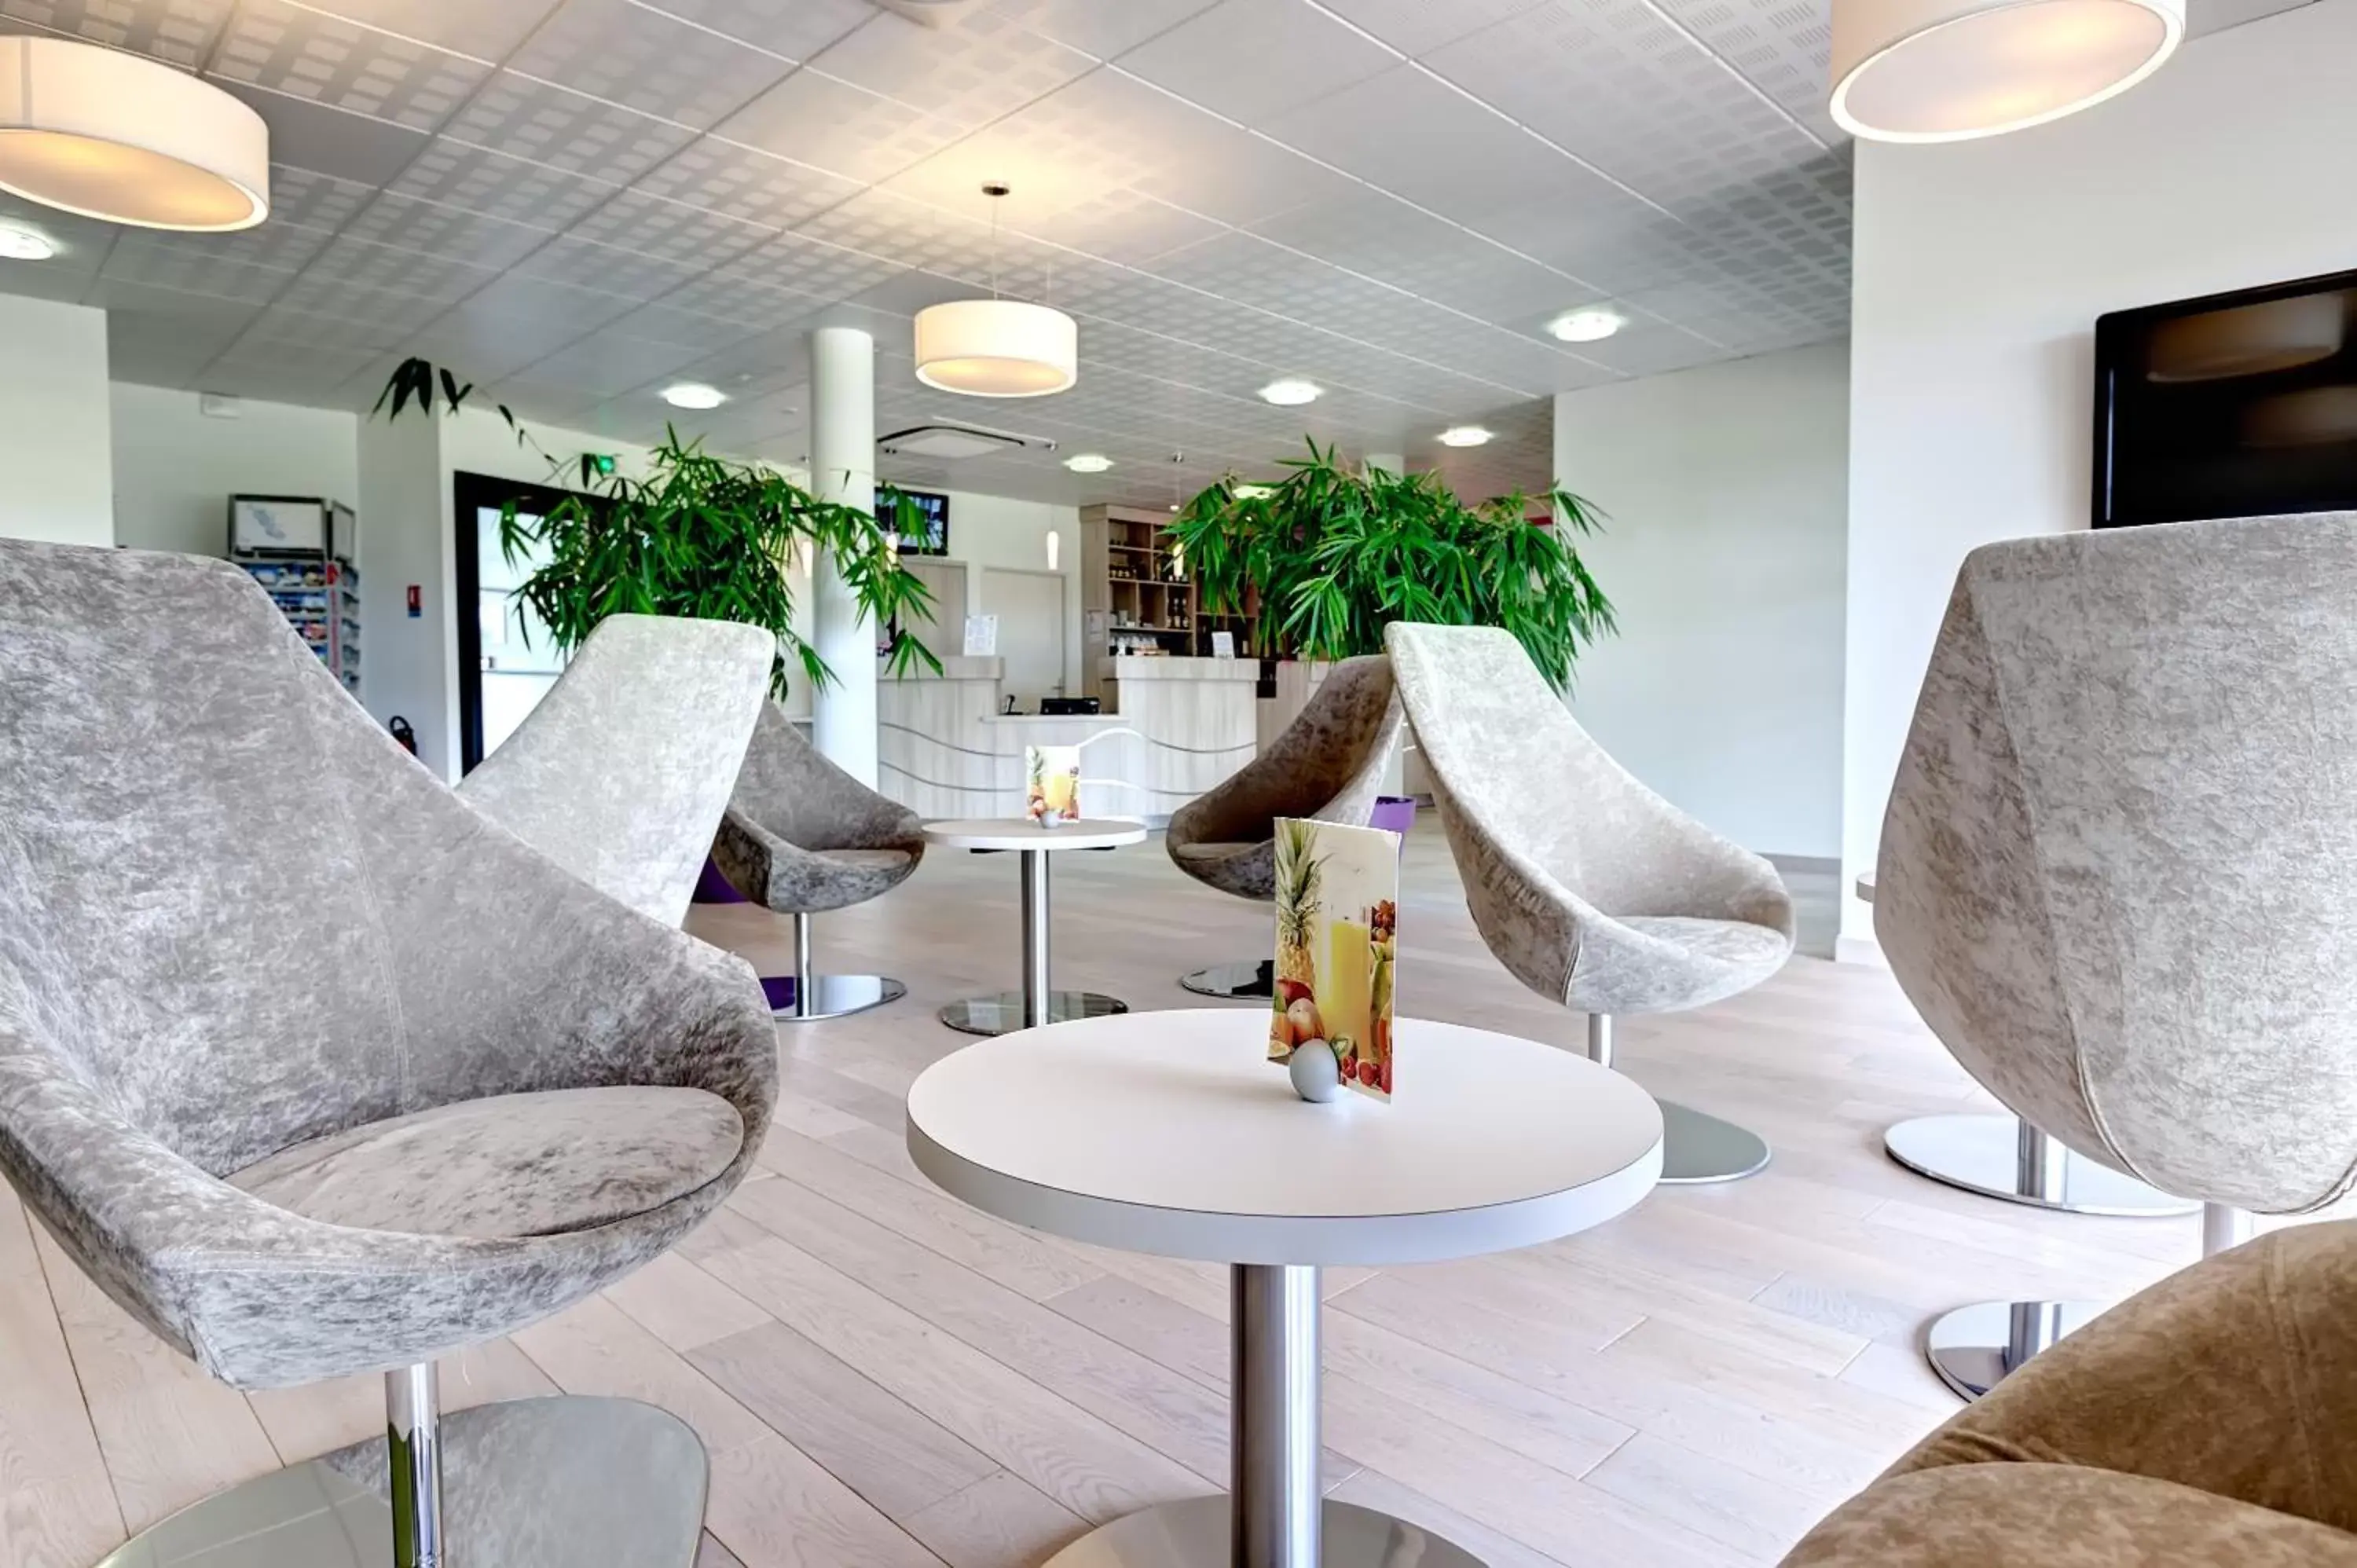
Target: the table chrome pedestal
(2005, 1157)
(1275, 1515)
(1037, 1003)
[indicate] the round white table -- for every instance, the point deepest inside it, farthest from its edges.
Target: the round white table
(1173, 1134)
(1036, 1003)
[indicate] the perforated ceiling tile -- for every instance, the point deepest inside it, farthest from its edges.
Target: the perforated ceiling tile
(290, 329)
(817, 119)
(657, 64)
(527, 118)
(383, 317)
(340, 64)
(1372, 233)
(817, 271)
(485, 29)
(671, 231)
(742, 183)
(794, 29)
(1415, 27)
(167, 349)
(970, 72)
(481, 181)
(1094, 27)
(626, 273)
(1620, 87)
(746, 306)
(1782, 47)
(452, 232)
(155, 262)
(282, 247)
(1127, 227)
(1252, 60)
(179, 31)
(353, 262)
(954, 244)
(606, 362)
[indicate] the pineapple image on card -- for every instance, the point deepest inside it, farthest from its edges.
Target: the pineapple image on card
(1337, 923)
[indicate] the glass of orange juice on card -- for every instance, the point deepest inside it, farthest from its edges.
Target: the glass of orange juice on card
(1346, 987)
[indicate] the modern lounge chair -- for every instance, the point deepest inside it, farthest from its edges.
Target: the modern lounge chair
(1591, 889)
(316, 1071)
(2200, 1425)
(2114, 870)
(1329, 764)
(801, 836)
(622, 773)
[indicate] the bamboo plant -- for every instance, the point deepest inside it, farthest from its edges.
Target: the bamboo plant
(699, 536)
(1321, 562)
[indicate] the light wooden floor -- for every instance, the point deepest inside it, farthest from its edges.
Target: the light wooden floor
(885, 1378)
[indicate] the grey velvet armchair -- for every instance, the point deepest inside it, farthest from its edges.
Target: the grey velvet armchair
(1591, 889)
(1328, 764)
(622, 773)
(801, 836)
(2114, 872)
(316, 1071)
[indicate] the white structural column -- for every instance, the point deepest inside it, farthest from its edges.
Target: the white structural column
(843, 469)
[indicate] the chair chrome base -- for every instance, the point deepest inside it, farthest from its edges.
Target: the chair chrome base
(1973, 1347)
(1983, 1154)
(1696, 1148)
(831, 995)
(1002, 1014)
(1196, 1534)
(1699, 1148)
(542, 1482)
(1252, 981)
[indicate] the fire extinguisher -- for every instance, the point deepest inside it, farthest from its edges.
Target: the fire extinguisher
(404, 733)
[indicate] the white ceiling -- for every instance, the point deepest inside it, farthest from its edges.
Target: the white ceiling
(575, 202)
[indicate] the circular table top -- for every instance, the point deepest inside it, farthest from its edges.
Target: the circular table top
(1022, 832)
(1173, 1134)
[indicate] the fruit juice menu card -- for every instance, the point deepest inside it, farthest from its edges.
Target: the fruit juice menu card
(1336, 927)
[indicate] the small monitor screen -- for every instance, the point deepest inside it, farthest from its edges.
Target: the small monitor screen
(932, 534)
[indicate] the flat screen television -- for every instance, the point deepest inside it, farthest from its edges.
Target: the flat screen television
(2236, 406)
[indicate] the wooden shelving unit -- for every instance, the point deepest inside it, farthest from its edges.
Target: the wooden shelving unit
(1134, 596)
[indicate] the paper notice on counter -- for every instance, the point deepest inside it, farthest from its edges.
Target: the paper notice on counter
(1223, 645)
(981, 637)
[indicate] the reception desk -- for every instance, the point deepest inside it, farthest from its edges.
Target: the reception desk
(1175, 728)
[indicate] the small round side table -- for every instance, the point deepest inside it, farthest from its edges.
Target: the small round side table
(1037, 1003)
(1172, 1133)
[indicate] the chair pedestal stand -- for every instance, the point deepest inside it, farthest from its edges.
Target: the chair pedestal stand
(1992, 1156)
(539, 1483)
(803, 996)
(1696, 1148)
(1975, 1347)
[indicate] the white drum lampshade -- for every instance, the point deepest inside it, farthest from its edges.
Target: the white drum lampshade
(123, 139)
(1947, 71)
(996, 348)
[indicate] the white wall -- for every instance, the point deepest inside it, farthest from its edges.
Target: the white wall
(992, 531)
(175, 468)
(1723, 555)
(1981, 267)
(57, 480)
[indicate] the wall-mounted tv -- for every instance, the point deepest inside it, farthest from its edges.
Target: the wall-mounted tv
(933, 516)
(2236, 406)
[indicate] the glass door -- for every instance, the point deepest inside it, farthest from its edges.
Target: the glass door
(507, 661)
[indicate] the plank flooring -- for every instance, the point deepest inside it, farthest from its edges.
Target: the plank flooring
(885, 1378)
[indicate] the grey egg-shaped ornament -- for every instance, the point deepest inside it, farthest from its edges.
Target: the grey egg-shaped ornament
(1315, 1076)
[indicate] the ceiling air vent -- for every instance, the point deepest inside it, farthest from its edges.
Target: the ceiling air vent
(933, 13)
(947, 443)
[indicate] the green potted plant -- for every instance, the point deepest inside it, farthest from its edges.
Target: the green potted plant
(1321, 562)
(699, 536)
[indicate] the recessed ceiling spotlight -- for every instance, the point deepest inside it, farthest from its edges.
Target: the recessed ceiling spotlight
(1253, 492)
(693, 394)
(1291, 392)
(1590, 326)
(1464, 435)
(21, 244)
(1088, 462)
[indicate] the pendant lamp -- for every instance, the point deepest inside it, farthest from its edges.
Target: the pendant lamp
(1948, 70)
(996, 348)
(127, 139)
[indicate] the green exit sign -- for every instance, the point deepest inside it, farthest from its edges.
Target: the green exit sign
(602, 461)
